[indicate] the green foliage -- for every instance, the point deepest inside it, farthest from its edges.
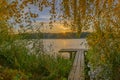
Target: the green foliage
(58, 68)
(6, 36)
(105, 53)
(10, 74)
(36, 67)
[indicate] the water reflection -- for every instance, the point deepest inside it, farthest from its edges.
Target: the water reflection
(54, 45)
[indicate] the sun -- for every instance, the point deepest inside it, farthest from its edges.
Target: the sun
(57, 28)
(64, 29)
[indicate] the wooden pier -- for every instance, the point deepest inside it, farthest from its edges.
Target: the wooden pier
(77, 71)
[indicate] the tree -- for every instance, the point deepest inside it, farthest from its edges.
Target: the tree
(104, 17)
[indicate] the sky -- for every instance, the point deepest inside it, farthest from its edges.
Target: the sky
(44, 17)
(56, 28)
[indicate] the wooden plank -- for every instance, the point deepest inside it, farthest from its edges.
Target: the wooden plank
(72, 72)
(71, 50)
(68, 50)
(77, 71)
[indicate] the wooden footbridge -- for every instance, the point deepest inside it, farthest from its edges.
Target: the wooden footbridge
(77, 71)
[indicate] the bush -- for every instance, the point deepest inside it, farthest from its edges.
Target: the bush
(104, 55)
(51, 68)
(10, 74)
(40, 67)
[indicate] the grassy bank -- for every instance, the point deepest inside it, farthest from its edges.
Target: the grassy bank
(17, 64)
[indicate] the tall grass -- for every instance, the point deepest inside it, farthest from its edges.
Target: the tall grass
(16, 58)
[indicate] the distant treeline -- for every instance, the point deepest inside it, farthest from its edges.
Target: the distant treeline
(68, 35)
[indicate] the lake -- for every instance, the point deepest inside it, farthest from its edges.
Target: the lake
(52, 46)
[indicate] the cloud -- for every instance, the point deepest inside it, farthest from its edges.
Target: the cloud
(42, 15)
(57, 27)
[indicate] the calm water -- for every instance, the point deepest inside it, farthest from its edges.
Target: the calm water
(52, 46)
